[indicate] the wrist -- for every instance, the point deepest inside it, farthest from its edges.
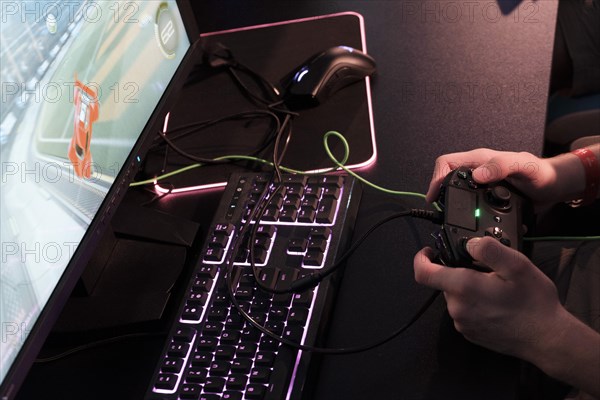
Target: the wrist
(545, 352)
(569, 176)
(590, 160)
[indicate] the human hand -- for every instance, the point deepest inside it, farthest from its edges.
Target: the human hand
(542, 180)
(514, 309)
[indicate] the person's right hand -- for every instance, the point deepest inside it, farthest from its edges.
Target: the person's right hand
(535, 177)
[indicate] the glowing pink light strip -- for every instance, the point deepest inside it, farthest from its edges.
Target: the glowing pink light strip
(161, 189)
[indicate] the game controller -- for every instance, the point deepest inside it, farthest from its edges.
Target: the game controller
(474, 210)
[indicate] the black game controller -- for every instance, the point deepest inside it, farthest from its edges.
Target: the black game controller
(473, 210)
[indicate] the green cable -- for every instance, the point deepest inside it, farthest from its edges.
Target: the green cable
(553, 238)
(160, 177)
(340, 164)
(234, 157)
(360, 178)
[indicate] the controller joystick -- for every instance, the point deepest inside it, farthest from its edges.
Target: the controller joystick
(476, 210)
(499, 196)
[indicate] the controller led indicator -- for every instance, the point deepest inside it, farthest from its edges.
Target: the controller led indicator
(477, 213)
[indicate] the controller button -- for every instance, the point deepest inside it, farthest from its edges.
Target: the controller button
(497, 232)
(462, 174)
(456, 182)
(505, 241)
(472, 184)
(462, 250)
(499, 196)
(497, 219)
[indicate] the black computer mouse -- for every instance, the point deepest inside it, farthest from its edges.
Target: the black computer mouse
(324, 74)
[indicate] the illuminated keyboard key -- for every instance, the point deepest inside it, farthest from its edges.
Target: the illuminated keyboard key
(166, 381)
(313, 259)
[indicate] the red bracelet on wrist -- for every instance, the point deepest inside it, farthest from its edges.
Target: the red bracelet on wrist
(591, 166)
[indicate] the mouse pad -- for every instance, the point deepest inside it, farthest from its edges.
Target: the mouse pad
(273, 51)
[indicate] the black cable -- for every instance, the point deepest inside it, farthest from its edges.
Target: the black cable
(187, 155)
(255, 216)
(272, 188)
(277, 155)
(284, 110)
(218, 55)
(249, 93)
(327, 350)
(194, 127)
(262, 204)
(314, 278)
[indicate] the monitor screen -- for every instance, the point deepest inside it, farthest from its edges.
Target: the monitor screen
(81, 81)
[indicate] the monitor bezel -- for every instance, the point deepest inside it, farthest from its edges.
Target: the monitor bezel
(40, 330)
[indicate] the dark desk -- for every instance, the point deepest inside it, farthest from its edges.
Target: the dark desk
(451, 76)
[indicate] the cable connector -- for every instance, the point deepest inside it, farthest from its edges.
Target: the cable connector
(437, 217)
(309, 281)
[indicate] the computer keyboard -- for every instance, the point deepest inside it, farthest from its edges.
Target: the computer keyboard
(213, 352)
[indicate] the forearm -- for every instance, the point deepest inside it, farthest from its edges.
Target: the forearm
(570, 174)
(571, 354)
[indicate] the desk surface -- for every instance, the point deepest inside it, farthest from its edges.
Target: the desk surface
(451, 76)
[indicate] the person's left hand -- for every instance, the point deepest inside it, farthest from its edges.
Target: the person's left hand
(514, 309)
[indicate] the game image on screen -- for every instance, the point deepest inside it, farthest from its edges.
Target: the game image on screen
(80, 80)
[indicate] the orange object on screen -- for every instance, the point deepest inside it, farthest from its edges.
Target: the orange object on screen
(85, 101)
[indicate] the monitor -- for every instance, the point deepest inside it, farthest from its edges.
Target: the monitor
(84, 84)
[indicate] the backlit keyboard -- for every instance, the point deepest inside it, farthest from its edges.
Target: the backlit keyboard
(213, 352)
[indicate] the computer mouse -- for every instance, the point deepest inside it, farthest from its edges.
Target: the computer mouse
(322, 75)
